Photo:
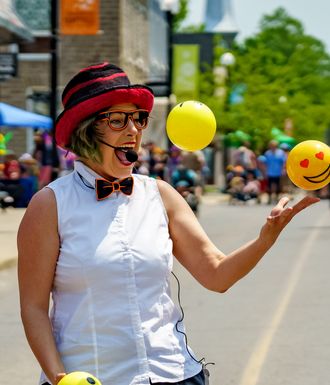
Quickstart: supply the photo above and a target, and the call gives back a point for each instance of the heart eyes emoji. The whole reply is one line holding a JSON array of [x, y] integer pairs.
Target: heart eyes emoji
[[308, 165]]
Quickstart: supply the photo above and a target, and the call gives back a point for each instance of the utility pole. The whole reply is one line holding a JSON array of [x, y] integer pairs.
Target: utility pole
[[53, 83]]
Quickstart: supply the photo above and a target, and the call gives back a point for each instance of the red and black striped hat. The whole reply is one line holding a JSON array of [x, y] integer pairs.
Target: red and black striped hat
[[93, 90]]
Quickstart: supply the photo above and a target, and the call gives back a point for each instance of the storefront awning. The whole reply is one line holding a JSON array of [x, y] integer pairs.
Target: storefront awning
[[12, 28]]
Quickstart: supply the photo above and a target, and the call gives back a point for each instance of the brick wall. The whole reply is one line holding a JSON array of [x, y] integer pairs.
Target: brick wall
[[76, 52]]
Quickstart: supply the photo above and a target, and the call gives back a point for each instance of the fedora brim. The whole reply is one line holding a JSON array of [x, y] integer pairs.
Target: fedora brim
[[70, 118]]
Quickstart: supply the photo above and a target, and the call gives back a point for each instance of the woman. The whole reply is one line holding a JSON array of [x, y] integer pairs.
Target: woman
[[101, 241]]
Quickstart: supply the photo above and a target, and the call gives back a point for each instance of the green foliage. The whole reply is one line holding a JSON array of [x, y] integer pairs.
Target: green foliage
[[280, 63], [179, 17], [4, 139], [192, 28]]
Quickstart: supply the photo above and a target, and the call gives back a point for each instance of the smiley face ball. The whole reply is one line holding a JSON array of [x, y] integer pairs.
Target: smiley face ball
[[191, 125], [308, 165], [79, 378]]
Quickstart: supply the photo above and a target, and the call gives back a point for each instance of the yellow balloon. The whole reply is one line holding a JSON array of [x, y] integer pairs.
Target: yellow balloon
[[79, 378], [308, 165], [191, 125]]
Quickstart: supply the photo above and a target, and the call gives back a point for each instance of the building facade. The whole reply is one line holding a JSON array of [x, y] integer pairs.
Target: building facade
[[126, 37]]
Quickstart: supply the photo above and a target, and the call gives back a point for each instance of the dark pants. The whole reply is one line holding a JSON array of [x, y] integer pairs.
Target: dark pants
[[196, 380], [274, 184]]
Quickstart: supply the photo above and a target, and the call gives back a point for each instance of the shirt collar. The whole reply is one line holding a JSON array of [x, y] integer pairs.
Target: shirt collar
[[87, 173]]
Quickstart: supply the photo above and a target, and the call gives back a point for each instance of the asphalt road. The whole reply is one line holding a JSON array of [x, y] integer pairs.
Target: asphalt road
[[271, 328]]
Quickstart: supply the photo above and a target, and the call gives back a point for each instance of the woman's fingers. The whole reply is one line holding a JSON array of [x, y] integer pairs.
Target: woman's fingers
[[283, 201], [280, 214], [283, 214], [279, 208], [303, 203]]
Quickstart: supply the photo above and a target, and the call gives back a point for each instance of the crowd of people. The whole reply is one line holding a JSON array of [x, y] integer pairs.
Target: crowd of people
[[22, 176], [251, 175]]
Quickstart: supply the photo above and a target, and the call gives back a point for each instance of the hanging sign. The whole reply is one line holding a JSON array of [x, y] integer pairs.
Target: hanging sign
[[8, 65], [185, 80], [79, 17]]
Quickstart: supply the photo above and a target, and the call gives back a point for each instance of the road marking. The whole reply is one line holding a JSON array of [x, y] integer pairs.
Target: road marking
[[253, 368]]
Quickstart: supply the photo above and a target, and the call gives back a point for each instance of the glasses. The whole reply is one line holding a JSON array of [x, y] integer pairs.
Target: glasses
[[118, 120]]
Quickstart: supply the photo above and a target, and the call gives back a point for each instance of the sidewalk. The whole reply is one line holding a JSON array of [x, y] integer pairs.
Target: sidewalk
[[9, 222], [214, 198]]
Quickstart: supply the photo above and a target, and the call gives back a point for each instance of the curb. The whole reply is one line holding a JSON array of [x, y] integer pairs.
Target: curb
[[7, 263], [214, 199]]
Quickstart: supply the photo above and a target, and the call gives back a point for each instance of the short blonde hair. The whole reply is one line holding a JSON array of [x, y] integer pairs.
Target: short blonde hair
[[85, 140]]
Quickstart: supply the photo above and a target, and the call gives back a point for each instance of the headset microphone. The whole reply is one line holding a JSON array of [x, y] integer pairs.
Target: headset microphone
[[130, 154]]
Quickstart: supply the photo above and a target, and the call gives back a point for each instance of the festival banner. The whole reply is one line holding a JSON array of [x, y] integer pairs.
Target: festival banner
[[79, 17], [185, 78]]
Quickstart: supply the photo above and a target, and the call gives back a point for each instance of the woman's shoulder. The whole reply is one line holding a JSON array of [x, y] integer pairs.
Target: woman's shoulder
[[42, 206]]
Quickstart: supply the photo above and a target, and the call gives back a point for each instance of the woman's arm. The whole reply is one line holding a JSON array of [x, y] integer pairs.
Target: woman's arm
[[194, 250], [38, 249]]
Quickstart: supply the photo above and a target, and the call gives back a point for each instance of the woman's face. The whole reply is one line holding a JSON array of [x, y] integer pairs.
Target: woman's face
[[114, 162]]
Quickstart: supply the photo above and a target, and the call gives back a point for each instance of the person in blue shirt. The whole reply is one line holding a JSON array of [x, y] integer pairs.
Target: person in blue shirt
[[274, 159]]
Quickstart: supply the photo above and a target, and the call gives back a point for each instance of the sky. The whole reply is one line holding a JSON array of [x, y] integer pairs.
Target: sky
[[314, 15]]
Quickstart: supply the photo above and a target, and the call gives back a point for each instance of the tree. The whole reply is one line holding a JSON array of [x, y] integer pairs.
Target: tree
[[179, 17], [280, 63]]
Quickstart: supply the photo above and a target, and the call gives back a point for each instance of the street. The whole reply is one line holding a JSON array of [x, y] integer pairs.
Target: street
[[271, 328]]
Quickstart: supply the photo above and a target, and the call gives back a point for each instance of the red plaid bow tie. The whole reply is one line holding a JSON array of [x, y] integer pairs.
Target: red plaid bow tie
[[104, 188]]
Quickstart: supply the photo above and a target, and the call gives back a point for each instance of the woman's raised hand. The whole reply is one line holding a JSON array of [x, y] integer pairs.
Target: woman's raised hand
[[282, 214]]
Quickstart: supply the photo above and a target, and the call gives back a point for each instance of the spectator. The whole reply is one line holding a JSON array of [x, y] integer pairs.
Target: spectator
[[173, 161], [236, 184], [251, 189], [245, 157], [275, 163], [286, 184], [29, 178], [10, 181]]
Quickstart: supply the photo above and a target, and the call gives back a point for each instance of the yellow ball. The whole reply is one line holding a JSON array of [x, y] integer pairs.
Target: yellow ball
[[79, 378], [191, 125], [308, 165]]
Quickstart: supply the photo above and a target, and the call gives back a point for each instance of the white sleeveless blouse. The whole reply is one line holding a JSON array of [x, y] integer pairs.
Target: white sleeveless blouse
[[112, 313]]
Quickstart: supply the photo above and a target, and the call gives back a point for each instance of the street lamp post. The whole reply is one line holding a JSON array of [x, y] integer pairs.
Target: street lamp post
[[227, 60]]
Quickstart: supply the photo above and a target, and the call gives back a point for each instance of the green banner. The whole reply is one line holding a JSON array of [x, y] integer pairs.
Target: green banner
[[185, 80]]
